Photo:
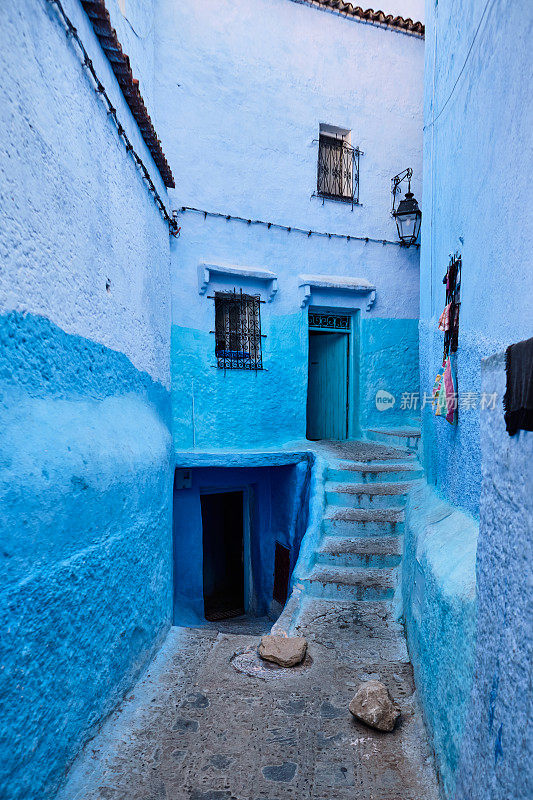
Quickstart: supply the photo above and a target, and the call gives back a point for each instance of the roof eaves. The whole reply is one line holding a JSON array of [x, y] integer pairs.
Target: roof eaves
[[407, 25], [120, 64]]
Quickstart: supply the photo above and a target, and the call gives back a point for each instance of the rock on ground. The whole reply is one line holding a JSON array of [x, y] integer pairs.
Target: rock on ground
[[287, 651], [193, 728], [373, 705]]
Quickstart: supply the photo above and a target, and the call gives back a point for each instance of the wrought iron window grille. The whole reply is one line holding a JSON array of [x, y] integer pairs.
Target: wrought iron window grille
[[238, 331], [338, 170], [329, 322]]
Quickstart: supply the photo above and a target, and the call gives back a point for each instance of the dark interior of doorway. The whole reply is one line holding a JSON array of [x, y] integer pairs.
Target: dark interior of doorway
[[223, 554], [282, 569]]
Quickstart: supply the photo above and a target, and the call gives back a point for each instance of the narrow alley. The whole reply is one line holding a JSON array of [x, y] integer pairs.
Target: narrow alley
[[196, 728], [211, 721], [266, 400]]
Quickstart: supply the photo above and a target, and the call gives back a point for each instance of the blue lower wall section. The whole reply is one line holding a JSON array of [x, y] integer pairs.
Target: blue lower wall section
[[277, 487], [85, 513], [389, 361], [241, 409], [439, 606], [497, 755]]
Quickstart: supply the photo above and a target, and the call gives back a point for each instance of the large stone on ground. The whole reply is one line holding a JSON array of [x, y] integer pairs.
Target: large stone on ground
[[287, 651], [373, 705]]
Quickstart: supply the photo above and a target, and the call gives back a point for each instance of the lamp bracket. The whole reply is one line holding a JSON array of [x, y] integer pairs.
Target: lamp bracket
[[398, 179]]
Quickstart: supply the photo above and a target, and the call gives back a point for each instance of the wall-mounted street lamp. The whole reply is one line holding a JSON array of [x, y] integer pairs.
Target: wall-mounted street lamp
[[408, 216]]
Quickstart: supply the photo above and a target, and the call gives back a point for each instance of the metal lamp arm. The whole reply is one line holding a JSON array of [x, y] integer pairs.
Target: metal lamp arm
[[407, 174]]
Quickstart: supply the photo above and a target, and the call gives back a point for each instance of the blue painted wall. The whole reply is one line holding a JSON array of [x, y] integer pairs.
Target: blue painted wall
[[439, 606], [277, 512], [476, 165], [252, 83], [389, 361], [476, 158], [85, 444], [497, 754]]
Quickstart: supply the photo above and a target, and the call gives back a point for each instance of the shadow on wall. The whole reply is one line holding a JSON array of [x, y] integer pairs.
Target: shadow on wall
[[85, 513]]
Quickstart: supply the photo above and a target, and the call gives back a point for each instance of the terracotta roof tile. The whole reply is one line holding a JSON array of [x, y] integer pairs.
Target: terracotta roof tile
[[369, 15], [120, 64]]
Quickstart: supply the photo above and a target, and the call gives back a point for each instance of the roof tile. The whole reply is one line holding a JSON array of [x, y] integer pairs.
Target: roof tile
[[377, 17], [120, 64]]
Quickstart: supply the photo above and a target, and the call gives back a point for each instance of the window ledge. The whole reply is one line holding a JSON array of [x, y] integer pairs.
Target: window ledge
[[336, 283], [337, 199], [207, 271]]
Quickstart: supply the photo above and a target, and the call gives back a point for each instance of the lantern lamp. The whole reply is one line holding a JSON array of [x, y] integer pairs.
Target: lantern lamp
[[408, 215]]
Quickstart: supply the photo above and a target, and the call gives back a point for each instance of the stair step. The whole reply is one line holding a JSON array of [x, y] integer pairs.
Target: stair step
[[367, 495], [343, 521], [347, 471], [347, 583], [396, 437], [364, 552]]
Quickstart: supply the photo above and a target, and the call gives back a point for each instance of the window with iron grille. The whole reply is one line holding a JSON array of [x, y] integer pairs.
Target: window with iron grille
[[238, 331], [338, 169]]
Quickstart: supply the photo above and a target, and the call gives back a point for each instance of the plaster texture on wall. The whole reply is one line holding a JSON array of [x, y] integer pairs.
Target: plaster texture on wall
[[242, 409], [477, 155], [256, 80], [85, 488], [277, 502], [239, 409], [439, 606], [75, 211], [254, 83], [389, 361], [85, 445], [497, 754]]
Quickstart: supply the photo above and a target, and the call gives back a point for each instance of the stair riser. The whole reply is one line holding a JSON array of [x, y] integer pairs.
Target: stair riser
[[352, 476], [342, 527], [366, 500], [338, 591], [370, 560], [409, 442]]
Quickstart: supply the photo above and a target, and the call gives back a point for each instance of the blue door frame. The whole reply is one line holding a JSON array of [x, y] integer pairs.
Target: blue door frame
[[327, 388]]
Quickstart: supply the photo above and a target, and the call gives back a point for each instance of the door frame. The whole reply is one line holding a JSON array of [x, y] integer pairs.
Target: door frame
[[353, 428], [247, 505]]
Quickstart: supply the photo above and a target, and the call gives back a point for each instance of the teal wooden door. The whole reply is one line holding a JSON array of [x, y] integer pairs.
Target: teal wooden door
[[327, 388]]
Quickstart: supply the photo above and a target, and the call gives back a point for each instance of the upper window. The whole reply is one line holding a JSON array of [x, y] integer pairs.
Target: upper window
[[238, 331], [338, 165]]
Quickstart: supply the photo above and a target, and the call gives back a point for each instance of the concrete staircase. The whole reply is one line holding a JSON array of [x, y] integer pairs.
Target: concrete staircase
[[395, 437], [360, 550]]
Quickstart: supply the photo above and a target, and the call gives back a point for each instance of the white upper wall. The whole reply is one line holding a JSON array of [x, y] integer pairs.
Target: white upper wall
[[82, 241], [243, 87]]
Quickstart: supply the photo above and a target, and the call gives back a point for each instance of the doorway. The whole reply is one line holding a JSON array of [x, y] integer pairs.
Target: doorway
[[223, 554], [327, 386]]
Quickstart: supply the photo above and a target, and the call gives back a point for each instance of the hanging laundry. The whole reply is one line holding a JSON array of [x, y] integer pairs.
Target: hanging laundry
[[444, 392], [449, 319], [440, 399], [518, 398], [444, 319], [450, 390]]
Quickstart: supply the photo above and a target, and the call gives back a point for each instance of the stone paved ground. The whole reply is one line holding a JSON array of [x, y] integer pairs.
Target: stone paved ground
[[195, 728]]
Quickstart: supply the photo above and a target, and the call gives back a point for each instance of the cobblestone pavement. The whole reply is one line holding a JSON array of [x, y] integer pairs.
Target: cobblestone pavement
[[195, 728]]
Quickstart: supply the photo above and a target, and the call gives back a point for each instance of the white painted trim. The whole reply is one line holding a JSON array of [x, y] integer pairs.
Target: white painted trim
[[206, 272], [335, 283]]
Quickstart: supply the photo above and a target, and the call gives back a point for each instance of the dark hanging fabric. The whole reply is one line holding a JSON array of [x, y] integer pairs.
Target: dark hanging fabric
[[452, 280], [518, 399]]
